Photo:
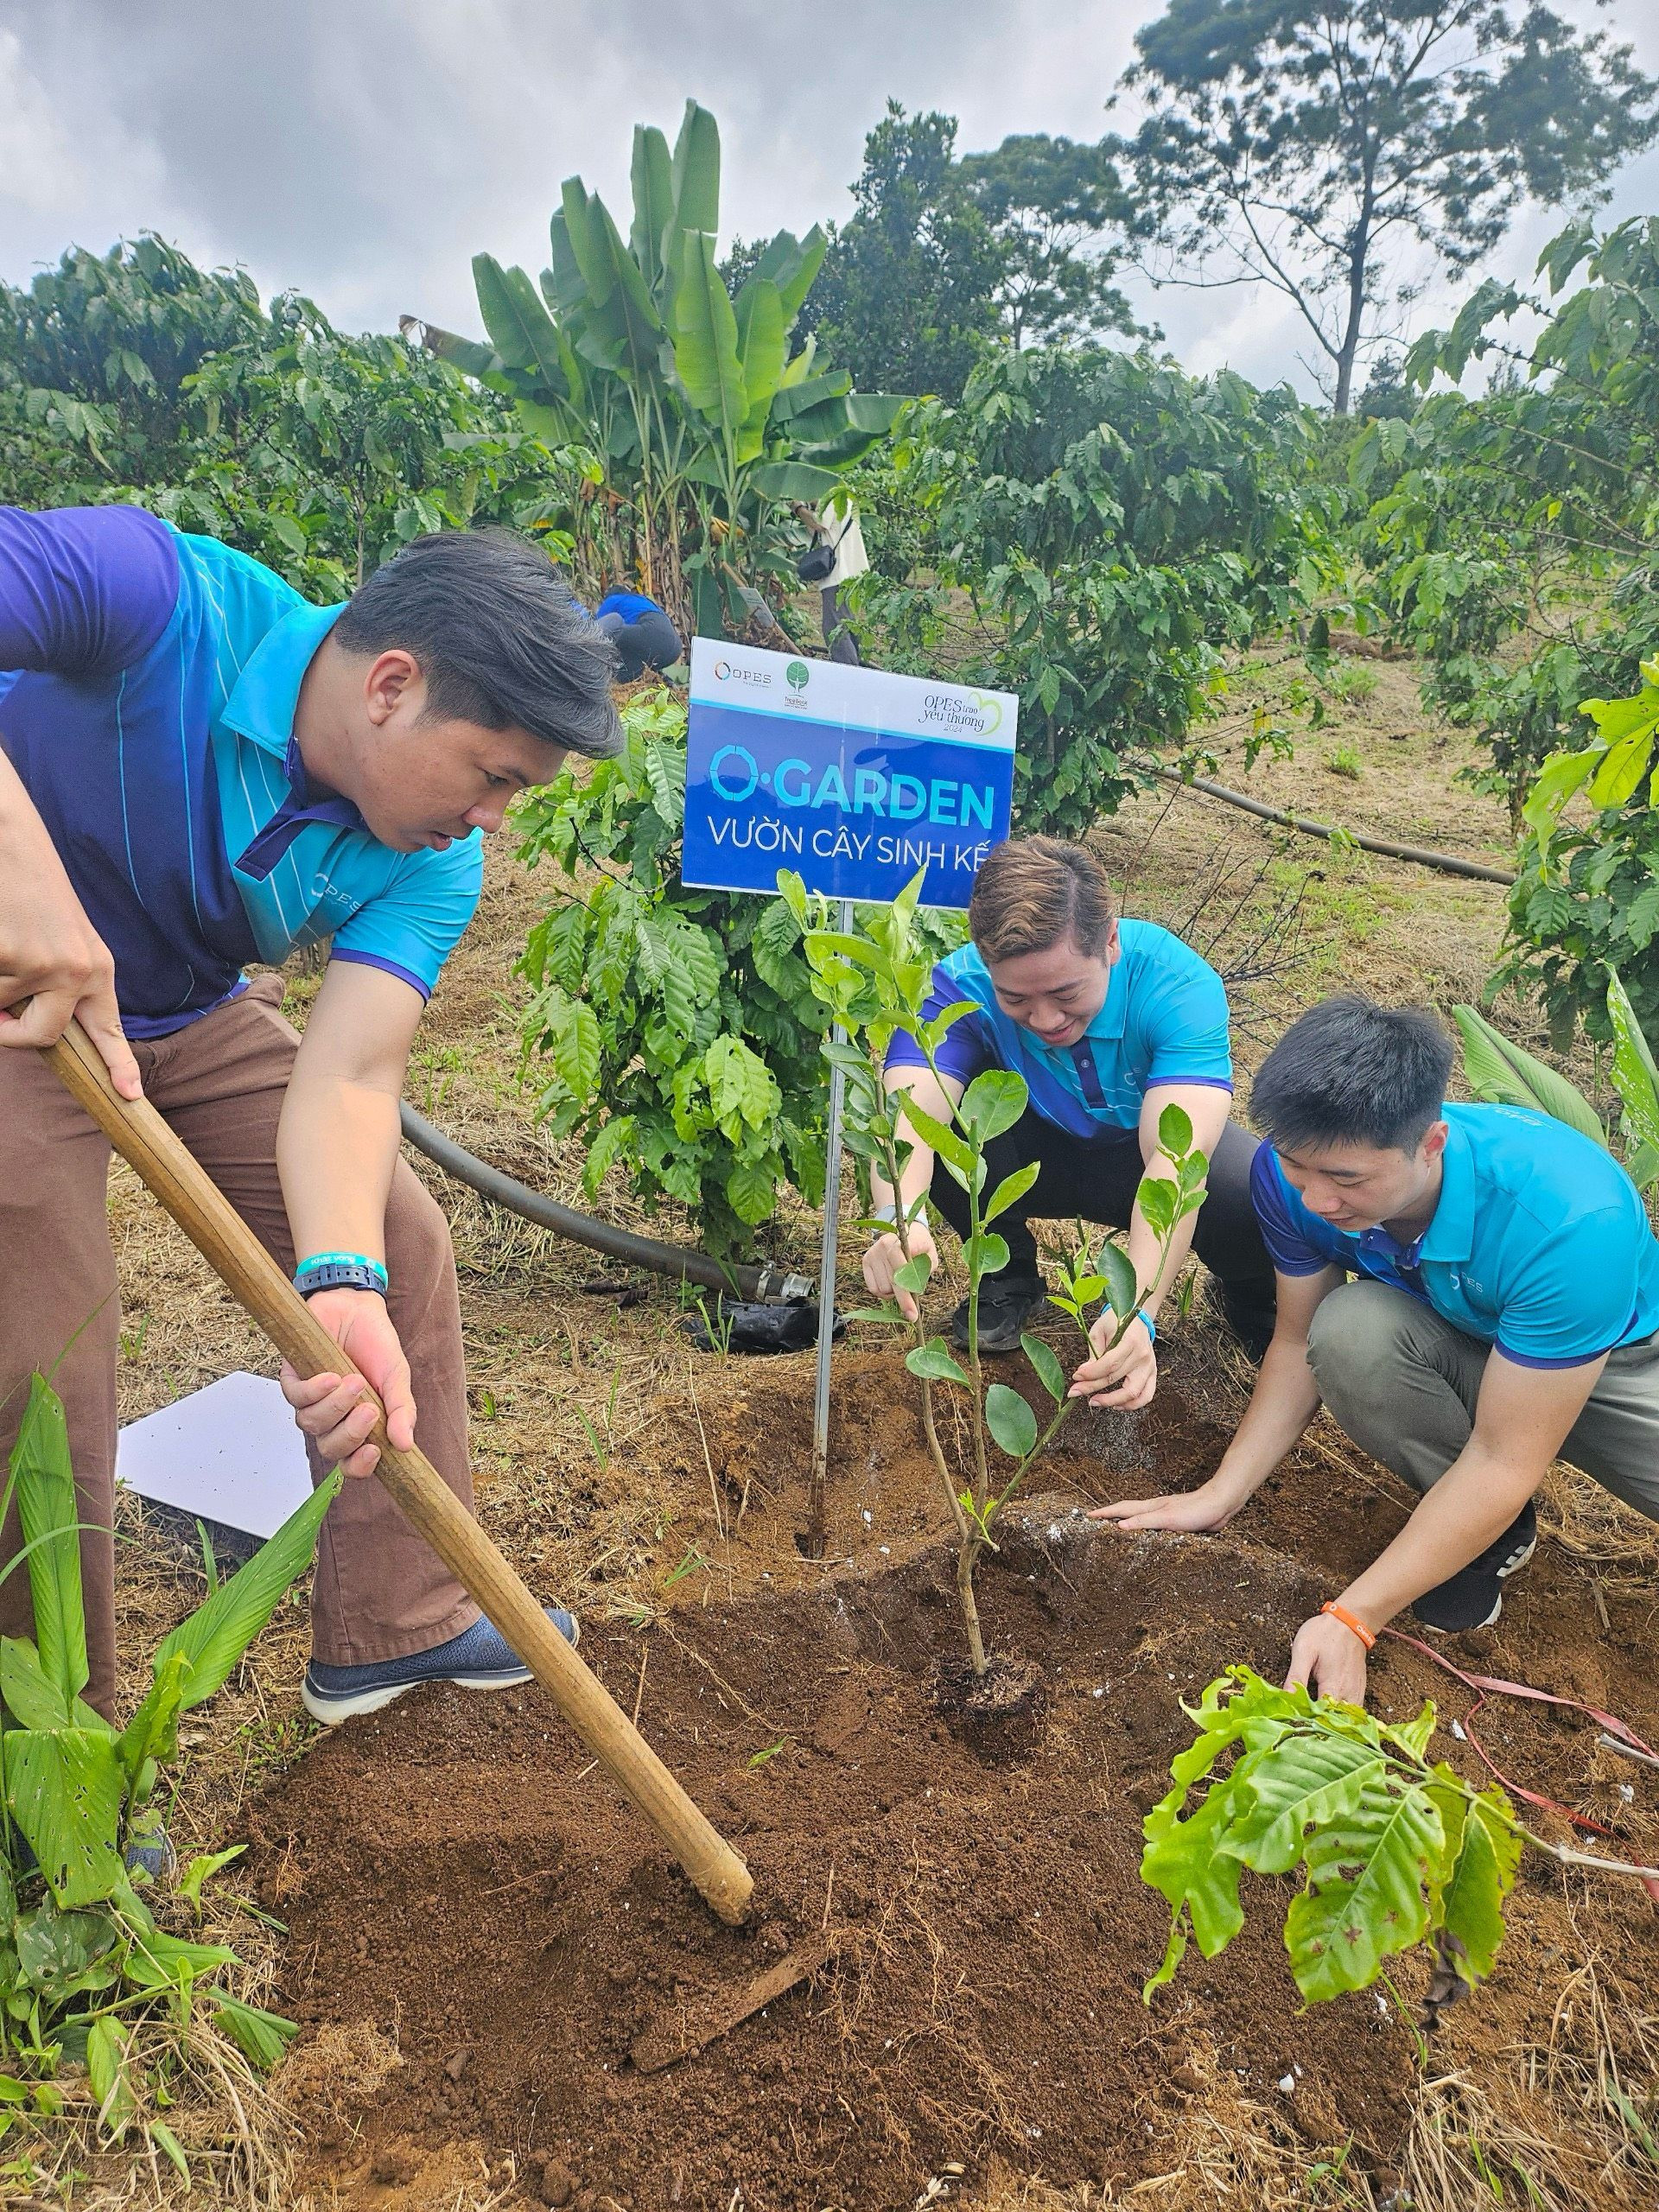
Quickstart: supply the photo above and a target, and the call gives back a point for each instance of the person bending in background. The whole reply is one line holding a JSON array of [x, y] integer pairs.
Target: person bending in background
[[199, 770], [1109, 1021], [1471, 1291], [639, 633]]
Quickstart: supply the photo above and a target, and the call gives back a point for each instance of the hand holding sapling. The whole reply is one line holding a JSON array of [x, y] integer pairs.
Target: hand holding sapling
[[876, 983]]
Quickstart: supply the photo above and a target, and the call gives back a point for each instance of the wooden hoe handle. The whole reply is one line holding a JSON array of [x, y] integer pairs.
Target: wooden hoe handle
[[218, 1232]]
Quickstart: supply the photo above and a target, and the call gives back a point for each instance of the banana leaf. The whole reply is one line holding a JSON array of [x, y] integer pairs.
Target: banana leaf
[[705, 340], [695, 178], [1636, 1078], [793, 480], [760, 317], [519, 325], [1500, 1073], [562, 285], [653, 203]]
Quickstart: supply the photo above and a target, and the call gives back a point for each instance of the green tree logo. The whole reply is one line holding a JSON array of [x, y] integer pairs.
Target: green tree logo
[[796, 675]]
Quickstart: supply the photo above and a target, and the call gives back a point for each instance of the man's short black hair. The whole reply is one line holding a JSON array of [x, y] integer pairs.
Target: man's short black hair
[[1353, 1072], [501, 638]]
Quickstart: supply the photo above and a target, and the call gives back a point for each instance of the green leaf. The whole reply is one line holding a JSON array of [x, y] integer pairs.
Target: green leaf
[[793, 480], [262, 2037], [202, 1868], [220, 1629], [1174, 1131], [759, 316], [1483, 1874], [742, 1088], [32, 1701], [1159, 1198], [1502, 1075], [1560, 777], [705, 340], [653, 201], [993, 1102], [1636, 1078], [60, 1954], [940, 1136], [65, 1789], [1122, 1290], [695, 172], [106, 2069], [168, 2144], [1367, 1869], [1010, 1190], [1011, 1422], [752, 1190], [520, 328], [1050, 1373], [915, 1274], [985, 1255], [44, 1489], [933, 1363]]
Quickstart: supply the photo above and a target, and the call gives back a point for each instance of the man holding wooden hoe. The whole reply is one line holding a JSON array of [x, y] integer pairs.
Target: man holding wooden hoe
[[200, 770], [1109, 1021], [1503, 1311]]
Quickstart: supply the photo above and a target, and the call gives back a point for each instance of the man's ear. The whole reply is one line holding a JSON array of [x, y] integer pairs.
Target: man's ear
[[394, 680], [1433, 1142]]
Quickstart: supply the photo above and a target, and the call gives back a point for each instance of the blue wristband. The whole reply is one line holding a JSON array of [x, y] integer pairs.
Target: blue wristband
[[1151, 1326]]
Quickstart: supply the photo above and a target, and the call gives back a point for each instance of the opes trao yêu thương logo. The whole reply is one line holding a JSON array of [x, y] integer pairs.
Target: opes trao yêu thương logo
[[752, 679]]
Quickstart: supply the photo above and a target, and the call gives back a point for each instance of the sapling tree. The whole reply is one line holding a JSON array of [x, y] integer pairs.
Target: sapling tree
[[876, 979], [1394, 1849]]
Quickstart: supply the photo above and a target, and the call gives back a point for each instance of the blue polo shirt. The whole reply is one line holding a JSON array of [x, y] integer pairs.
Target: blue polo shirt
[[1163, 1020], [148, 687], [1539, 1244]]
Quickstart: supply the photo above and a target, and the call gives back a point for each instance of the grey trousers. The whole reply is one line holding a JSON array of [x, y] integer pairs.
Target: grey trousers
[[1403, 1383]]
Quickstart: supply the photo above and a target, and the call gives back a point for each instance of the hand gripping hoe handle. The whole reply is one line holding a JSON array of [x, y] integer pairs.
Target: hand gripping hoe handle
[[218, 1232]]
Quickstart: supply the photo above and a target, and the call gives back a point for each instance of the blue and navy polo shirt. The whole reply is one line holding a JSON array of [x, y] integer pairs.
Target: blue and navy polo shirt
[[1164, 1020], [1540, 1245], [148, 687]]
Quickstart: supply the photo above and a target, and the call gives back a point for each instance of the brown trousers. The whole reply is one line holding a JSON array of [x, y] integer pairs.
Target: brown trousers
[[379, 1591]]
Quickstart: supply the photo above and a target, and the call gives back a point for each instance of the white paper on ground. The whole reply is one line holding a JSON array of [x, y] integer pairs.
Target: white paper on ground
[[230, 1453]]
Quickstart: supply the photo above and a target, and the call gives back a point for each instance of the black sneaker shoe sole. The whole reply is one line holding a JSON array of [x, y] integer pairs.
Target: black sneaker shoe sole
[[997, 1334]]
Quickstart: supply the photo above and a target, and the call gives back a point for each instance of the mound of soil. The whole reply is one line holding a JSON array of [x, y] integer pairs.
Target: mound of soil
[[948, 1908], [449, 1875]]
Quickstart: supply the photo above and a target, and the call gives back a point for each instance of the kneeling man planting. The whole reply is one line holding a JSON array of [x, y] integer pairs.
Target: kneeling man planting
[[1473, 1291]]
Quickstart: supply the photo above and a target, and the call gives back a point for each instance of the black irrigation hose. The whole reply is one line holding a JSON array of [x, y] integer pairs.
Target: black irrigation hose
[[764, 1286], [1447, 863]]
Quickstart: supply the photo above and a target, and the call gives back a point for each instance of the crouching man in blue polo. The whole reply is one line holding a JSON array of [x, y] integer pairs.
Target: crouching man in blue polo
[[1473, 1291]]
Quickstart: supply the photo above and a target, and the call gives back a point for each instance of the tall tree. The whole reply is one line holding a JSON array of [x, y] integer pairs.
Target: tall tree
[[1050, 204], [908, 288], [1308, 144]]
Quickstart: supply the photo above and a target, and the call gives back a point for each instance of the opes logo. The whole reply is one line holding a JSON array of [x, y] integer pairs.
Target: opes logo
[[756, 679], [968, 714]]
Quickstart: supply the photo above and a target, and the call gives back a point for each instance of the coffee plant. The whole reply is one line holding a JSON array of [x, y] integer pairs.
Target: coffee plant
[[675, 1031]]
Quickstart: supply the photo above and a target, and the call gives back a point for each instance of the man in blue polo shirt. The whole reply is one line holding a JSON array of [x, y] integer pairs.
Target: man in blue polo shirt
[[199, 771], [1109, 1022], [1473, 1291]]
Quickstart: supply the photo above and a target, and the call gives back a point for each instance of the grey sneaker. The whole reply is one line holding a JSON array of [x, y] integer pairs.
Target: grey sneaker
[[480, 1658]]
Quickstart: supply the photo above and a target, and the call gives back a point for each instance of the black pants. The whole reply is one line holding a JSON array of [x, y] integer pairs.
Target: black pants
[[1095, 1178]]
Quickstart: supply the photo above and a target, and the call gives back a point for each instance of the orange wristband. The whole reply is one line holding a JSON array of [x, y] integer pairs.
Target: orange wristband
[[1350, 1620]]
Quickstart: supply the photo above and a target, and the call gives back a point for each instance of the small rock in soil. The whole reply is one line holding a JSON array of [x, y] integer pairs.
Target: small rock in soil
[[456, 2064], [558, 2183], [393, 2166]]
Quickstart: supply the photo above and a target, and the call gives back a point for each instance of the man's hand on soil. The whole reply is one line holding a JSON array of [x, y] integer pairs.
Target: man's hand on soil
[[887, 1256], [333, 1409], [1194, 1511], [1122, 1378], [1330, 1659]]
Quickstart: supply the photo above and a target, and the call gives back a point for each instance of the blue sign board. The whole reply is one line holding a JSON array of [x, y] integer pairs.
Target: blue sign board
[[853, 777]]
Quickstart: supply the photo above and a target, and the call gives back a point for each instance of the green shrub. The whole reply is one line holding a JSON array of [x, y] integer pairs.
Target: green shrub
[[1089, 529], [675, 1031], [88, 1978]]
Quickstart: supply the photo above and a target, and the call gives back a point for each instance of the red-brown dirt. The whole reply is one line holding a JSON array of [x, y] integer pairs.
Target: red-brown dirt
[[455, 1876]]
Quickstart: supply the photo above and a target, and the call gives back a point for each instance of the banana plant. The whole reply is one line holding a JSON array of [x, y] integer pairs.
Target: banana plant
[[876, 979], [1501, 1074], [705, 422], [83, 1963]]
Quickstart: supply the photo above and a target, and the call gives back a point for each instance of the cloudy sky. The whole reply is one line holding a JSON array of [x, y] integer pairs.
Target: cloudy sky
[[362, 151]]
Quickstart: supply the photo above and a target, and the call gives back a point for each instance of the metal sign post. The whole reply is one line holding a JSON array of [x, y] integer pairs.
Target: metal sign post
[[857, 780], [816, 1537]]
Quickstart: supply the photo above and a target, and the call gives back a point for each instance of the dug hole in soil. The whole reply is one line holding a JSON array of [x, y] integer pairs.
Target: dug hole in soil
[[461, 1887]]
